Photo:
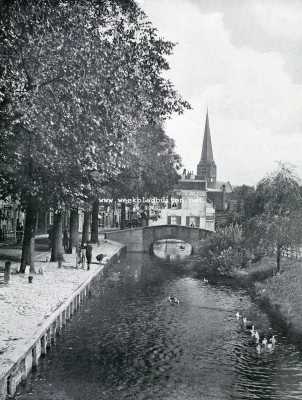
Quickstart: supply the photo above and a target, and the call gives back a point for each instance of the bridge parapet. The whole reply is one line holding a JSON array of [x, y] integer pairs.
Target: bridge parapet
[[141, 239]]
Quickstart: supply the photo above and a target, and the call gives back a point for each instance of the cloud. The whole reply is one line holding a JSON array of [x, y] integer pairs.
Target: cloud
[[253, 101], [273, 25]]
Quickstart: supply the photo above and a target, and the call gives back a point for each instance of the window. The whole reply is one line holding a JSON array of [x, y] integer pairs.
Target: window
[[193, 222], [174, 220]]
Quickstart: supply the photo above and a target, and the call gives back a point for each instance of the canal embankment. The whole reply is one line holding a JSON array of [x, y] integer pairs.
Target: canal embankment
[[279, 294], [33, 314]]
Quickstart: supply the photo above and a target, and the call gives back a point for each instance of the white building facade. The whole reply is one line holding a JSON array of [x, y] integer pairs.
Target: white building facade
[[189, 207]]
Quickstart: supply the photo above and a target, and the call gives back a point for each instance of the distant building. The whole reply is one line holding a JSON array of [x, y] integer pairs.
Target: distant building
[[206, 168], [188, 206], [203, 201]]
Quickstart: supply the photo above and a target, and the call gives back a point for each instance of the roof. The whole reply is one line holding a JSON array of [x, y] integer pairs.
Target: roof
[[219, 187], [191, 184]]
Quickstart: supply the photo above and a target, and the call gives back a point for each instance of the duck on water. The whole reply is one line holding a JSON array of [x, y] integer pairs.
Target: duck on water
[[173, 300]]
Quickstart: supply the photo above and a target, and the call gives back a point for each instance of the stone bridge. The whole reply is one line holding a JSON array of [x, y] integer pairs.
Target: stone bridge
[[142, 239]]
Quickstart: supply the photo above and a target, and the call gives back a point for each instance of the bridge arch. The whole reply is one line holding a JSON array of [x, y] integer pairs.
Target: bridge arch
[[171, 248], [141, 239]]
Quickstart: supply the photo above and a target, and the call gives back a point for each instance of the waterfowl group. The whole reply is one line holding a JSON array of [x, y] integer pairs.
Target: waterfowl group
[[173, 300], [265, 345]]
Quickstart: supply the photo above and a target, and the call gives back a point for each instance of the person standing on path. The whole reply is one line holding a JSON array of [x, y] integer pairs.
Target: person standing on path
[[65, 240], [88, 255], [19, 232]]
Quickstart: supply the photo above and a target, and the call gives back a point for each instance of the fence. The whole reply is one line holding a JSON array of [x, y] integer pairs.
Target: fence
[[292, 253], [5, 273], [11, 236]]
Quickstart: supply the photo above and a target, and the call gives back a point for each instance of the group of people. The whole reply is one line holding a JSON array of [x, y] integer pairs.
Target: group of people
[[83, 252]]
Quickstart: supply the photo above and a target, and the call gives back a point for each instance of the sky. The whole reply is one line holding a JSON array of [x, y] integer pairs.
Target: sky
[[242, 59]]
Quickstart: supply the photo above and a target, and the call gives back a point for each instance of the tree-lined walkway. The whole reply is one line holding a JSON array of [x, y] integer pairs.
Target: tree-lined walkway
[[24, 307]]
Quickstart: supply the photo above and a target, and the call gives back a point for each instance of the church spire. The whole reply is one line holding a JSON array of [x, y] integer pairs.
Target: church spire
[[206, 168], [207, 152]]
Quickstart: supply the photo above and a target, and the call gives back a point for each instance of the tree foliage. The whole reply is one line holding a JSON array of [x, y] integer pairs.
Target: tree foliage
[[223, 251], [151, 165], [277, 227], [77, 81]]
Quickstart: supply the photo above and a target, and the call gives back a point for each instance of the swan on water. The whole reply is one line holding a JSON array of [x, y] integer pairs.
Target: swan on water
[[264, 342], [205, 280], [238, 316], [273, 340], [257, 336], [269, 347], [247, 324], [258, 348]]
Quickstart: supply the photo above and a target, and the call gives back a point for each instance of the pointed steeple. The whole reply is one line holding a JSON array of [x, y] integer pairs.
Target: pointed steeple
[[206, 168], [207, 152]]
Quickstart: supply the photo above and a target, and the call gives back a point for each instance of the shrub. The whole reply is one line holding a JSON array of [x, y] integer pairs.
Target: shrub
[[223, 251]]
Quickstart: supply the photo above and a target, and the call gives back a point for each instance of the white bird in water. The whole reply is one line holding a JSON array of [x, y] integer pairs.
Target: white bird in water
[[264, 342], [238, 316], [246, 323], [269, 347], [273, 340]]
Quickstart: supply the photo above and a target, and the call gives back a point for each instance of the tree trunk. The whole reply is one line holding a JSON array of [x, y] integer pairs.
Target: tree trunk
[[123, 215], [73, 229], [85, 230], [113, 222], [278, 258], [57, 237], [95, 222], [28, 246]]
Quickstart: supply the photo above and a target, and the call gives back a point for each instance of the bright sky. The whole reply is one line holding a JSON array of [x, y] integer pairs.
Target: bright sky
[[242, 59]]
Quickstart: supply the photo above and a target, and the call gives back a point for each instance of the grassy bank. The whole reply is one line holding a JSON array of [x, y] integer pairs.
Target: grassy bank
[[281, 295]]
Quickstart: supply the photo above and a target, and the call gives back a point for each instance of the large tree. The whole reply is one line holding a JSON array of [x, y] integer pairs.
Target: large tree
[[277, 227], [77, 81], [151, 165]]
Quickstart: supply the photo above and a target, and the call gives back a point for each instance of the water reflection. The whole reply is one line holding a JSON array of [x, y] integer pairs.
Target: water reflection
[[129, 342], [172, 249]]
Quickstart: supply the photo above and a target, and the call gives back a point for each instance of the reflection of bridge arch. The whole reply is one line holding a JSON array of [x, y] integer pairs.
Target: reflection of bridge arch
[[141, 239], [171, 248]]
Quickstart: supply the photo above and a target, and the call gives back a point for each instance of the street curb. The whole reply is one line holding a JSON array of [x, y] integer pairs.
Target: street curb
[[21, 364]]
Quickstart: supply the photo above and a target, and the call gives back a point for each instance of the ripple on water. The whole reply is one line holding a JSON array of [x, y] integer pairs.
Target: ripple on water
[[131, 343]]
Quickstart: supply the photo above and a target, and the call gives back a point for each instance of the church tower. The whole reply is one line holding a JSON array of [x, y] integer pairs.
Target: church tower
[[206, 168]]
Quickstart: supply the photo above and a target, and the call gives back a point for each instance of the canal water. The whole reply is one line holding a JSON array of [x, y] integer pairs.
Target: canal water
[[129, 342]]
